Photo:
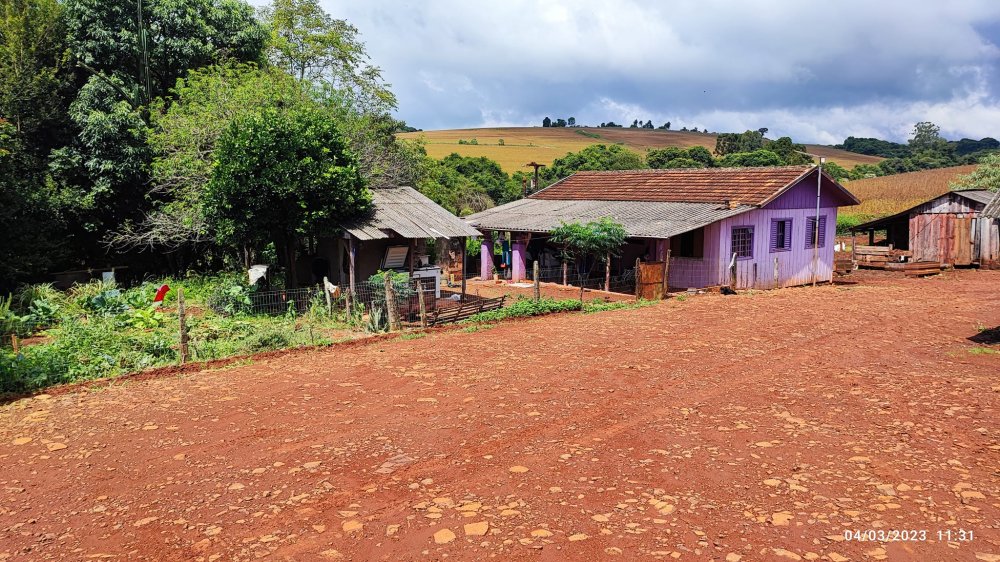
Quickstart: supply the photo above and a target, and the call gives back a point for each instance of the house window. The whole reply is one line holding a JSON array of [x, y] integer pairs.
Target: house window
[[811, 231], [781, 235], [742, 242], [688, 245]]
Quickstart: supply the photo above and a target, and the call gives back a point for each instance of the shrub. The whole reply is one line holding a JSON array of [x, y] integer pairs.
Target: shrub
[[523, 308]]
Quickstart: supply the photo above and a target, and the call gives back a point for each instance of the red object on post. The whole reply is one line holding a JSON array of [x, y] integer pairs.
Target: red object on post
[[160, 293]]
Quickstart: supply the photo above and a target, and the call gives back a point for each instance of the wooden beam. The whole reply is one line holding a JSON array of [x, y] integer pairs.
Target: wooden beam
[[465, 250]]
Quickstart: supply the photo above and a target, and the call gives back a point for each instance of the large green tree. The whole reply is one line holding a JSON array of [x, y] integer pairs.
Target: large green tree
[[487, 174], [131, 61], [30, 223], [281, 176], [985, 176], [729, 143], [594, 157], [35, 77], [184, 132], [756, 158], [314, 47]]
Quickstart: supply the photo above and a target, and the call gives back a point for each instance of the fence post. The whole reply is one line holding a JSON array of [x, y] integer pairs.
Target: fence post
[[420, 299], [666, 273], [607, 272], [565, 273], [638, 278], [181, 317], [732, 273], [538, 288], [14, 343], [777, 275], [390, 303], [326, 292]]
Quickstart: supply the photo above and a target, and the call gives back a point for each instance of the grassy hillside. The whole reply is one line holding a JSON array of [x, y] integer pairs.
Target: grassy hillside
[[891, 194], [545, 144]]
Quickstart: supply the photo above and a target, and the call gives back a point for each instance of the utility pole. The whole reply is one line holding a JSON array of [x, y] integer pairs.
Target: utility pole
[[819, 185]]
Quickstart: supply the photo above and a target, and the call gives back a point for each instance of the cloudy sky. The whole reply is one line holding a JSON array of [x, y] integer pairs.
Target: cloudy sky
[[817, 71]]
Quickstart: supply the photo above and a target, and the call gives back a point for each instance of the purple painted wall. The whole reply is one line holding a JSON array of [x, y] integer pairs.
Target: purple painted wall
[[486, 257], [794, 266], [518, 254]]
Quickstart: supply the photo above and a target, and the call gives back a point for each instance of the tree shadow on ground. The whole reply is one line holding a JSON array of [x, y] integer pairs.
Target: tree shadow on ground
[[987, 337]]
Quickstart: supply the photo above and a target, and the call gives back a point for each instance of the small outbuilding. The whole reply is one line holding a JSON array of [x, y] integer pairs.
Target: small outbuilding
[[951, 229], [394, 236], [747, 227]]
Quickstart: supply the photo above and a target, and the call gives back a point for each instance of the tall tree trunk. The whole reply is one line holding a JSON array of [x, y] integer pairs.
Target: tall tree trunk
[[291, 258]]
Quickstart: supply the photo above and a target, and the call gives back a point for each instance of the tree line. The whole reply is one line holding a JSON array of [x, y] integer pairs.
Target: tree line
[[636, 124], [926, 149], [185, 134]]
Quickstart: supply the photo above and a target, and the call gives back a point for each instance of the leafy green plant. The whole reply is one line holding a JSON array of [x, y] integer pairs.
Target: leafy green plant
[[597, 306], [232, 299], [523, 308], [42, 313], [10, 321], [145, 318], [377, 321]]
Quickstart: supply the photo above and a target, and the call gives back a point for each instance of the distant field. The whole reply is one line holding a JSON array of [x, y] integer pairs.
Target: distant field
[[891, 194], [545, 144]]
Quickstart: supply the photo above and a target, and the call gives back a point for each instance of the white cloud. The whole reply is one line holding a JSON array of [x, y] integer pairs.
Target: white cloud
[[817, 70]]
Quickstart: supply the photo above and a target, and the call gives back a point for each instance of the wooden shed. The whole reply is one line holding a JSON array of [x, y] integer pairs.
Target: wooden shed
[[949, 229]]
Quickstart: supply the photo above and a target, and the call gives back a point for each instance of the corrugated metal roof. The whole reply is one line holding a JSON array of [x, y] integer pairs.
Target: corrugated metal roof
[[992, 210], [406, 212], [978, 195], [640, 218]]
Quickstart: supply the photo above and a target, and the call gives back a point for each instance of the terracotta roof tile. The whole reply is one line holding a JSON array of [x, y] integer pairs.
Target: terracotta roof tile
[[748, 186]]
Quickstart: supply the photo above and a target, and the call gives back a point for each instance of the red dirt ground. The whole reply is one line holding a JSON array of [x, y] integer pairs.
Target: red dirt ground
[[760, 426]]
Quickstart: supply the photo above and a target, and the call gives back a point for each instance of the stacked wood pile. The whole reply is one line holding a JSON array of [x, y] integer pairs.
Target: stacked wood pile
[[880, 257], [843, 267], [921, 268]]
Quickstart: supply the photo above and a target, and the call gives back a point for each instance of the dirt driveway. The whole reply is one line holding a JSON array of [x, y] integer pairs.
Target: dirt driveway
[[755, 427]]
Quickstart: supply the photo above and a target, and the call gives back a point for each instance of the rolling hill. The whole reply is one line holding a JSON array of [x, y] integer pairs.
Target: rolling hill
[[544, 144]]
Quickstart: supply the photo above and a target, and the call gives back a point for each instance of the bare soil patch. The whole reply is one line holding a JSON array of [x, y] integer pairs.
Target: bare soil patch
[[755, 427]]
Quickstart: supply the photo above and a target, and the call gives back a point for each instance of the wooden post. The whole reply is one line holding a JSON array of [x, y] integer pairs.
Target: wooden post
[[777, 275], [666, 273], [326, 293], [351, 252], [413, 254], [420, 299], [181, 317], [15, 344], [607, 272], [854, 246], [638, 278], [390, 303], [732, 273], [565, 273], [871, 237], [538, 287], [465, 249]]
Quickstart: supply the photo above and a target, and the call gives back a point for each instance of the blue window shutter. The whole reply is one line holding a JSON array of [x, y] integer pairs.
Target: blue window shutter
[[774, 235], [788, 234], [822, 231]]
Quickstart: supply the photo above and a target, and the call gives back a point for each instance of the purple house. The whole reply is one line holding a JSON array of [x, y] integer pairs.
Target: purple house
[[762, 220]]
